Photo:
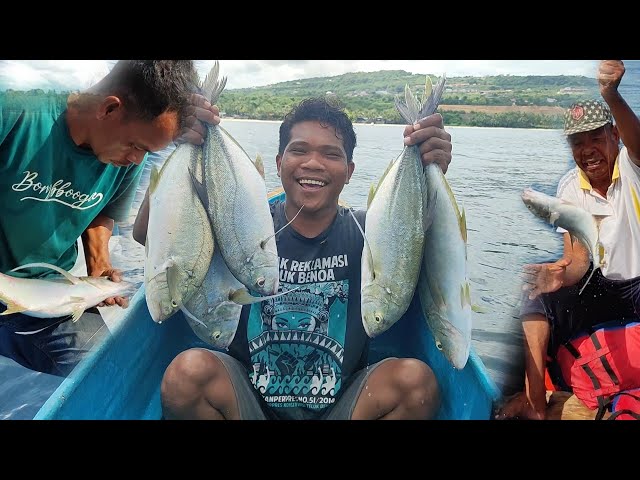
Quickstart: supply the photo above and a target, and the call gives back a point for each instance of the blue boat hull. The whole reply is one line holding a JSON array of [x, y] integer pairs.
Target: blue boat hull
[[121, 378]]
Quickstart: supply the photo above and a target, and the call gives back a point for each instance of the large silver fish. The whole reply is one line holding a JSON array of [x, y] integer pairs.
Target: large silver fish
[[395, 230], [180, 241], [443, 286], [237, 205], [580, 224], [57, 297]]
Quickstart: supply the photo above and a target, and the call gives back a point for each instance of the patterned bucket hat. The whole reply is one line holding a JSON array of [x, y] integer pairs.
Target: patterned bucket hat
[[586, 116]]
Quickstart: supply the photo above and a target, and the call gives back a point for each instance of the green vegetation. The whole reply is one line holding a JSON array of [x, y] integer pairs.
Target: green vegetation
[[368, 98]]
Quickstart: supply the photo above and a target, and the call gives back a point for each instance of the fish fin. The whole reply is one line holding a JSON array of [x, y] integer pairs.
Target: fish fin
[[462, 220], [242, 296], [72, 278], [78, 309], [428, 87], [372, 193], [436, 295], [12, 307], [478, 308], [212, 87], [190, 315], [366, 242], [201, 192], [259, 165], [154, 178], [430, 104], [413, 109]]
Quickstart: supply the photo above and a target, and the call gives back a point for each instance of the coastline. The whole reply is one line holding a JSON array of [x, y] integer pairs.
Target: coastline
[[393, 125]]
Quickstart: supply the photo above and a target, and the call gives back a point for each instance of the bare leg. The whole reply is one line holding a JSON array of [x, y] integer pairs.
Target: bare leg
[[399, 389], [196, 386]]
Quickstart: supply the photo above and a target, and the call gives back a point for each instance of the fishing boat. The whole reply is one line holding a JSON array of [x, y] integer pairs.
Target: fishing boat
[[120, 379]]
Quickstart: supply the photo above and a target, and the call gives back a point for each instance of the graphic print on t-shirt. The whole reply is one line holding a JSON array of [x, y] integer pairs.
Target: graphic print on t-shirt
[[296, 344]]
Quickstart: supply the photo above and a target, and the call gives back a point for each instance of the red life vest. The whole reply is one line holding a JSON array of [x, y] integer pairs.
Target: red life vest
[[601, 365]]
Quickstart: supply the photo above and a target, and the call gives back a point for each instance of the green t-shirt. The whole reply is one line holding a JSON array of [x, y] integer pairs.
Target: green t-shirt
[[51, 190]]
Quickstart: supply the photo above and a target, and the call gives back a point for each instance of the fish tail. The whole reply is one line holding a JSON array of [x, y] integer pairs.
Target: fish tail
[[212, 87], [413, 109]]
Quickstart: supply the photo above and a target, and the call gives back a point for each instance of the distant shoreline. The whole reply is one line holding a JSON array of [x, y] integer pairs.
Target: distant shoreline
[[487, 109]]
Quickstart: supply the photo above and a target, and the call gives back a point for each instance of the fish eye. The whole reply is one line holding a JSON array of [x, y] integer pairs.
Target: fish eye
[[174, 304], [378, 318], [261, 281], [439, 345], [216, 335]]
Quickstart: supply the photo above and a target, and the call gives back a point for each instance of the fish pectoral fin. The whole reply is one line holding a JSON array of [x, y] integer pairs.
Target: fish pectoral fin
[[478, 308], [437, 296], [201, 192], [154, 178], [72, 278], [12, 307], [190, 315], [79, 306], [259, 163]]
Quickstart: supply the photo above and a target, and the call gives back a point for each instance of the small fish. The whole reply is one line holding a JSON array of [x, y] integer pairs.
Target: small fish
[[580, 224], [213, 312], [57, 297]]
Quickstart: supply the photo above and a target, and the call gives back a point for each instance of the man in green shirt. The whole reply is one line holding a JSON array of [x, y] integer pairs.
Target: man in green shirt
[[69, 168]]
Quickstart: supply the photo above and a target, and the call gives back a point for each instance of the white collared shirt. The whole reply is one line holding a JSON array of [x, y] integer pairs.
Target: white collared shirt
[[620, 229]]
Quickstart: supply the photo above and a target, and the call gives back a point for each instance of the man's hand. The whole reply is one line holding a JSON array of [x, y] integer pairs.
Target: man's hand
[[115, 275], [610, 74], [433, 141], [545, 277], [199, 113]]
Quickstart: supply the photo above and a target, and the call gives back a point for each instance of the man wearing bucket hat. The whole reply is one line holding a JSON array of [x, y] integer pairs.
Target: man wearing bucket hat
[[570, 329]]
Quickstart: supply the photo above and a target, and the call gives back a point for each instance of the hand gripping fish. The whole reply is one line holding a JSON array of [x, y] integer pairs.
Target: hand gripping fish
[[235, 197], [396, 224], [57, 297], [580, 224]]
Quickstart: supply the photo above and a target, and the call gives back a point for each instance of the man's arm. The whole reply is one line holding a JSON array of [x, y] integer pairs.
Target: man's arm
[[609, 76], [95, 240], [579, 261]]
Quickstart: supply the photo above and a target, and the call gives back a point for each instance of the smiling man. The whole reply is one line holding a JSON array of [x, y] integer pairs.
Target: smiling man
[[560, 322], [304, 355], [69, 168]]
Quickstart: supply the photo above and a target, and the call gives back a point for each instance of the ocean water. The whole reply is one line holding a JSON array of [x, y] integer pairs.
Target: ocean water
[[490, 168]]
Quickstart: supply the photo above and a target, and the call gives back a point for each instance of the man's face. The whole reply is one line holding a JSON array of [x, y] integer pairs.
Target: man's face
[[121, 142], [314, 167], [595, 152]]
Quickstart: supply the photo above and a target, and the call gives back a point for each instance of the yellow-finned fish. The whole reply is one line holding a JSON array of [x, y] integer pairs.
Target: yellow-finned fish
[[396, 225], [237, 205]]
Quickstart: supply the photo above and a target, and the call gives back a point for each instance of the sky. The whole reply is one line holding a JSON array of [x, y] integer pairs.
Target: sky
[[78, 74]]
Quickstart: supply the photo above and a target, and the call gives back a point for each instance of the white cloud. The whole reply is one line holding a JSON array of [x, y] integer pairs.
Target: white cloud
[[79, 74]]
